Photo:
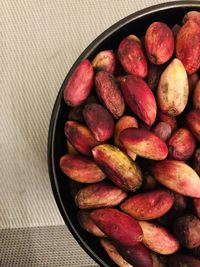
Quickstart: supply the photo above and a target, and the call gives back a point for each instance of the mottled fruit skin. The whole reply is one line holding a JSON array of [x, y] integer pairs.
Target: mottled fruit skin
[[70, 149], [108, 91], [196, 204], [179, 260], [104, 60], [112, 252], [139, 98], [177, 176], [159, 43], [79, 84], [132, 57], [149, 182], [187, 231], [173, 89], [124, 123], [81, 169], [144, 143], [99, 195], [196, 161], [193, 122], [158, 239], [80, 137], [162, 117], [196, 96], [149, 205], [88, 224], [137, 255], [158, 260], [121, 228], [192, 15], [123, 171], [181, 145], [154, 74], [99, 121], [188, 46], [163, 130]]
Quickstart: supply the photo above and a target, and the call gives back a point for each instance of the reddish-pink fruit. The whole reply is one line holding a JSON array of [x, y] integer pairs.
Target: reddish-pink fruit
[[124, 123], [196, 96], [108, 91], [99, 195], [104, 60], [80, 137], [87, 223], [112, 252], [188, 46], [139, 98], [177, 176], [175, 30], [158, 239], [179, 260], [143, 143], [149, 182], [120, 227], [163, 130], [172, 92], [81, 169], [168, 119], [187, 231], [123, 171], [192, 15], [70, 149], [132, 57], [193, 122], [159, 43], [196, 204], [196, 161], [192, 79], [79, 84], [149, 205], [137, 255], [99, 121], [154, 76], [181, 144]]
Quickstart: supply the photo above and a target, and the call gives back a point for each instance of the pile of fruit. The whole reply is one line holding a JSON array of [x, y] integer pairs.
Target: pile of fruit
[[133, 142]]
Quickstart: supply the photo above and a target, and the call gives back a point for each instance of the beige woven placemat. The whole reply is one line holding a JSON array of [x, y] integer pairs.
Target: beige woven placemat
[[39, 41]]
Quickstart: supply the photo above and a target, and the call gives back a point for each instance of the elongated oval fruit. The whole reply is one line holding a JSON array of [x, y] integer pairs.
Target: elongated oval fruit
[[112, 252], [159, 43], [79, 84], [99, 195], [188, 46], [178, 176], [196, 161], [143, 143], [109, 93], [162, 130], [149, 205], [187, 231], [162, 117], [158, 239], [120, 227], [193, 122], [104, 60], [99, 121], [196, 96], [196, 204], [123, 123], [154, 76], [88, 224], [192, 15], [173, 89], [181, 144], [132, 57], [123, 172], [179, 259], [139, 98], [80, 137], [81, 169], [137, 255]]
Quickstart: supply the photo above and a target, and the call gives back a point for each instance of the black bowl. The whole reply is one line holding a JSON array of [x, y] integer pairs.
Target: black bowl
[[137, 23]]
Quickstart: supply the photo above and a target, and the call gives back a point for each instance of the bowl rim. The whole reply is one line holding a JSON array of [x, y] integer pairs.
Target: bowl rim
[[55, 112]]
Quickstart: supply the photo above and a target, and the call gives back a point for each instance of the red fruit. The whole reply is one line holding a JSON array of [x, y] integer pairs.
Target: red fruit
[[193, 122], [79, 85], [159, 43], [162, 130], [139, 98], [154, 76], [168, 119], [192, 15], [132, 57], [104, 60]]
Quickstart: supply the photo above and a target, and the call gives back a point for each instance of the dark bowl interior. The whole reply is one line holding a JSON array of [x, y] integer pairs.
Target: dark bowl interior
[[137, 23]]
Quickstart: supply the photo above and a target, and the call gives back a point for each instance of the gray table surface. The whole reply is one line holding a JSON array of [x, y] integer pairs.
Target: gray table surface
[[39, 41]]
